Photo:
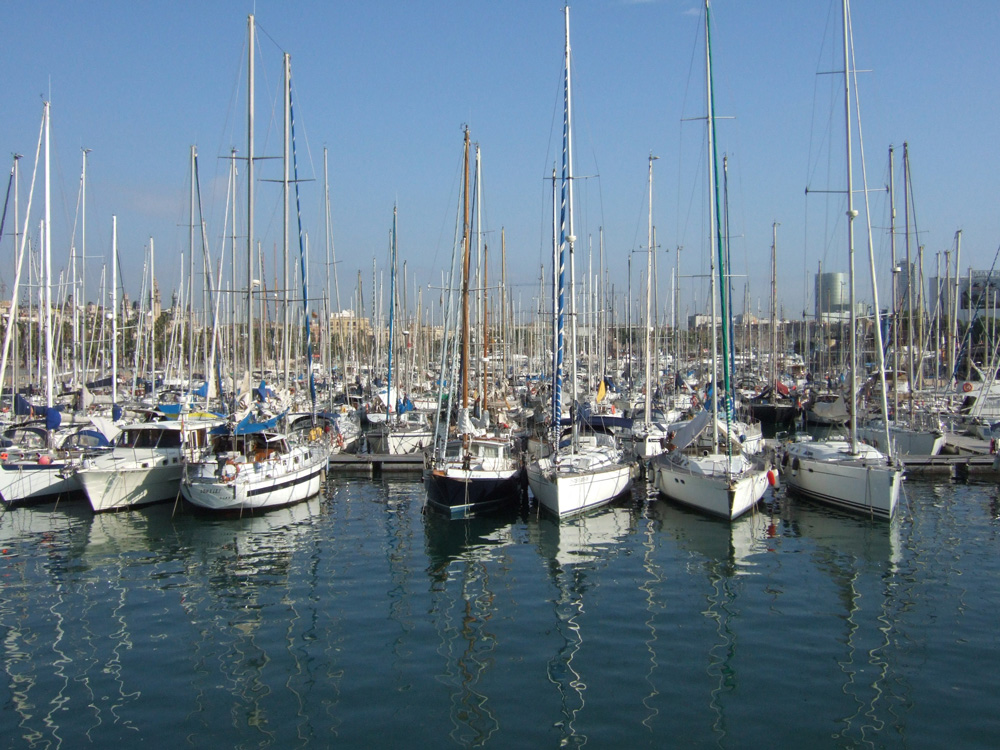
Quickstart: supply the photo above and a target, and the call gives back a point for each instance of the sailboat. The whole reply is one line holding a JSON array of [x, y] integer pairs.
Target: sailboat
[[844, 472], [591, 470], [723, 481], [248, 464], [648, 437], [478, 472], [912, 431], [34, 466], [403, 430]]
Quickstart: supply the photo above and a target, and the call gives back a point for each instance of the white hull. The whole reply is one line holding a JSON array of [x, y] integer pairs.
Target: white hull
[[274, 483], [131, 484], [578, 482], [703, 483], [828, 473], [25, 482]]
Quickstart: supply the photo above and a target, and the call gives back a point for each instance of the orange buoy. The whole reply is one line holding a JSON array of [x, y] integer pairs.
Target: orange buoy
[[772, 478]]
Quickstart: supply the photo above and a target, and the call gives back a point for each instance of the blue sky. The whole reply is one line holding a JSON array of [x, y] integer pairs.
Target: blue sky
[[387, 86]]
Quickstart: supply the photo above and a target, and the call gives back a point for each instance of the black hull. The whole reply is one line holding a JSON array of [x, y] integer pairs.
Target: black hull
[[774, 414], [460, 498]]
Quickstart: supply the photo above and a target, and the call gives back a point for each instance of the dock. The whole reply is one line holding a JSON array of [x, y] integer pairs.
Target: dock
[[376, 464]]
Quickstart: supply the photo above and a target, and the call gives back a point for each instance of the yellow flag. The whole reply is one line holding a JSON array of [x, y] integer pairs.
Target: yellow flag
[[600, 391]]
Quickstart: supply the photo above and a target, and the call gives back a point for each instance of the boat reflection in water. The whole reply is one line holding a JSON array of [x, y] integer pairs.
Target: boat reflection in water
[[463, 557], [721, 559], [571, 549], [244, 580], [87, 633], [860, 559]]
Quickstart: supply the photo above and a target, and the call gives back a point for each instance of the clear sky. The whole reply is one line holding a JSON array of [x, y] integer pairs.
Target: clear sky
[[387, 86]]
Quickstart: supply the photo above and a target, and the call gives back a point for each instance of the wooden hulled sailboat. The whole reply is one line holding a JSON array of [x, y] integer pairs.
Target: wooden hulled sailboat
[[478, 472]]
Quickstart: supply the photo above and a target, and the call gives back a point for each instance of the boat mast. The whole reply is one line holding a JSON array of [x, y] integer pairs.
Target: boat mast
[[713, 236], [114, 310], [893, 292], [570, 236], [285, 338], [466, 328], [773, 364], [648, 409], [250, 263], [47, 262], [852, 214], [190, 305]]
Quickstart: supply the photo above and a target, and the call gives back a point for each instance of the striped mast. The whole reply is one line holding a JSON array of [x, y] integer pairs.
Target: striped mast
[[565, 240]]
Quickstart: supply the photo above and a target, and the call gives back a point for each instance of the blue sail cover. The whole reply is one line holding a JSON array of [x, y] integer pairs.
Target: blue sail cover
[[52, 418], [22, 407], [248, 425]]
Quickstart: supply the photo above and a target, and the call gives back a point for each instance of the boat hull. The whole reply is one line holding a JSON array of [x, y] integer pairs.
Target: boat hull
[[465, 493], [24, 483], [258, 486], [860, 483], [563, 489], [709, 489], [112, 489]]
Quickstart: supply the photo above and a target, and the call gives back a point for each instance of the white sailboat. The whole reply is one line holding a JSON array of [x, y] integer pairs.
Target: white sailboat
[[846, 473], [37, 471], [722, 481], [250, 466], [591, 470], [400, 432]]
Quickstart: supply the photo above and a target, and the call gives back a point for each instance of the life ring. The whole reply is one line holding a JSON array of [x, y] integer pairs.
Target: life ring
[[340, 440], [694, 402], [966, 387], [230, 471]]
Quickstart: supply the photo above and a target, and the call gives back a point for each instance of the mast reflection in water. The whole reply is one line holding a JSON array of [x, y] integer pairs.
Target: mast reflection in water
[[357, 620]]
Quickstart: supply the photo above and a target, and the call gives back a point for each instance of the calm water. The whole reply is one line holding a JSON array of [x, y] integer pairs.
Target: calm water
[[355, 621]]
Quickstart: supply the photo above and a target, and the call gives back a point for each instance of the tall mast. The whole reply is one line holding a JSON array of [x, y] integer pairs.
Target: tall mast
[[852, 214], [893, 292], [773, 364], [569, 237], [250, 263], [47, 261], [285, 338], [83, 259], [466, 330], [713, 235], [190, 305], [114, 309], [647, 412], [486, 329]]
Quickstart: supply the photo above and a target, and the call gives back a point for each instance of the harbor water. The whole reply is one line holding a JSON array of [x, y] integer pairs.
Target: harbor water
[[354, 620]]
